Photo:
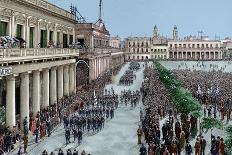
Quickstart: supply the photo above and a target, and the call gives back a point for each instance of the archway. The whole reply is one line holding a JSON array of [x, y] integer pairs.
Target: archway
[[82, 72]]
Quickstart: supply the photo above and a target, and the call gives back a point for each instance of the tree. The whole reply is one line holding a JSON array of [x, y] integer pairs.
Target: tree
[[229, 139]]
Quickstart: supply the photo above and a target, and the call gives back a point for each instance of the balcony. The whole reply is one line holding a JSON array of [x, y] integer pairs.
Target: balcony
[[30, 54]]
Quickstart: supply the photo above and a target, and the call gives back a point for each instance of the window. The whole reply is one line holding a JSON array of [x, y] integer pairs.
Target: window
[[51, 36], [164, 50], [146, 50], [170, 45], [193, 45], [19, 31], [198, 45], [43, 39], [31, 41], [179, 45], [65, 41], [3, 28], [71, 39], [142, 50]]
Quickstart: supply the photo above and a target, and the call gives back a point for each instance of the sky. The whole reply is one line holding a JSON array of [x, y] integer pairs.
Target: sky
[[138, 17]]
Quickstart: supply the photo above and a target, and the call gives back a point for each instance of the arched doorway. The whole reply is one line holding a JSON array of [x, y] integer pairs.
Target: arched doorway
[[82, 72]]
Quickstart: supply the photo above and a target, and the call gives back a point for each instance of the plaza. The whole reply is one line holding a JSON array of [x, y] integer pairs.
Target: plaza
[[69, 86]]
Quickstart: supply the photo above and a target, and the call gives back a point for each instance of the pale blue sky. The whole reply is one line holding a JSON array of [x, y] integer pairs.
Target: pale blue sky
[[138, 17]]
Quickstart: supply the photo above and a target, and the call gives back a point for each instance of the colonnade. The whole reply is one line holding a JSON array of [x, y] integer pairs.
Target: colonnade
[[196, 55], [52, 83], [98, 66]]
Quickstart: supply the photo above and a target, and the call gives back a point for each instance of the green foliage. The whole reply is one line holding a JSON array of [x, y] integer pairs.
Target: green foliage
[[210, 123], [229, 139], [181, 98]]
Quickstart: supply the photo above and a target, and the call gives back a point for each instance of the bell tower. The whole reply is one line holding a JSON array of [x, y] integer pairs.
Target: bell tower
[[155, 32], [175, 33]]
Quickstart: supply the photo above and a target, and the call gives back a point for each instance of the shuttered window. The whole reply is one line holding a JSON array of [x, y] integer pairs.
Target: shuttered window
[[19, 31], [3, 28], [31, 43]]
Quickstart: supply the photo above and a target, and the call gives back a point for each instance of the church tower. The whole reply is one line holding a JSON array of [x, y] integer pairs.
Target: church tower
[[175, 33], [155, 32]]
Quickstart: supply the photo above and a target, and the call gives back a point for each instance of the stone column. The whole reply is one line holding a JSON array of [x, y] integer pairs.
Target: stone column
[[48, 36], [68, 39], [27, 33], [10, 101], [13, 26], [91, 70], [55, 36], [36, 92], [214, 55], [60, 82], [45, 92], [38, 34], [74, 39], [10, 27], [99, 66], [71, 78], [53, 88], [95, 68], [24, 35], [66, 80], [75, 78], [24, 98]]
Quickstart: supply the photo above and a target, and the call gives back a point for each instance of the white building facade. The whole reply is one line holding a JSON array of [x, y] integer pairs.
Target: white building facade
[[115, 42], [38, 77], [159, 51], [194, 49], [39, 23], [137, 48]]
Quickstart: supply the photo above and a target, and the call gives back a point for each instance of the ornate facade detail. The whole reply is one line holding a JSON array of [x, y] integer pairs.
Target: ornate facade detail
[[6, 12], [43, 24], [33, 21], [51, 26], [59, 28], [20, 18]]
